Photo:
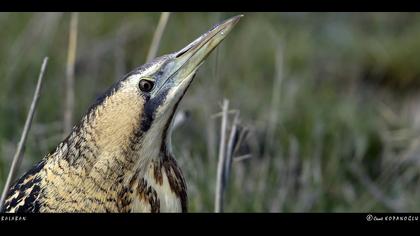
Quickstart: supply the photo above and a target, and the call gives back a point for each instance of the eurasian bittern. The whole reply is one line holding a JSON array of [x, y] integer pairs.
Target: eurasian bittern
[[118, 158]]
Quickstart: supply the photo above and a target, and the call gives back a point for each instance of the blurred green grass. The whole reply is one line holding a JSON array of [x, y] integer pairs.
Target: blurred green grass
[[345, 137]]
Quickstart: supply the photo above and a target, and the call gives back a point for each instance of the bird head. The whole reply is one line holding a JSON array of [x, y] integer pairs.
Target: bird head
[[140, 107]]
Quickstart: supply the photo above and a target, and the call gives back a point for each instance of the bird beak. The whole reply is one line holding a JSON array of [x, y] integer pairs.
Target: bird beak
[[189, 59]]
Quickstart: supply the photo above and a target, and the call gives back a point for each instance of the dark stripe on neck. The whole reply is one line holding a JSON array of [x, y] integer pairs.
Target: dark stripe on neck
[[150, 108]]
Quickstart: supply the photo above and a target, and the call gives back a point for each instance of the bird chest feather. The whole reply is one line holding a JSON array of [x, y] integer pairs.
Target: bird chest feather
[[158, 194]]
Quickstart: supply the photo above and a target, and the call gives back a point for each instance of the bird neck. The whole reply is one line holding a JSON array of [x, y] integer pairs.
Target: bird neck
[[109, 128], [107, 155], [109, 136]]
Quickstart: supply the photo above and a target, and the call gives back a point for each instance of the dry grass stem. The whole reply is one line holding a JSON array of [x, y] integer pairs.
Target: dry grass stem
[[222, 157], [71, 59], [157, 36], [21, 146]]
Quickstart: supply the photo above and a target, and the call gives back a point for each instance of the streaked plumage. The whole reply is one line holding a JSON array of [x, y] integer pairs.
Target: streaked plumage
[[118, 157]]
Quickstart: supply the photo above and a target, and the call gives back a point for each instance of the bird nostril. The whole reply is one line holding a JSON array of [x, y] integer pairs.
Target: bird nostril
[[183, 51]]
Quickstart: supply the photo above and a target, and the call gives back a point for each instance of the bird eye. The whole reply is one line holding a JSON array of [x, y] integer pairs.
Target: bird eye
[[146, 85]]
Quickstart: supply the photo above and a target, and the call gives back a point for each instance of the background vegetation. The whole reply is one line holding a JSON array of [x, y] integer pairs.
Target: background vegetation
[[330, 101]]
